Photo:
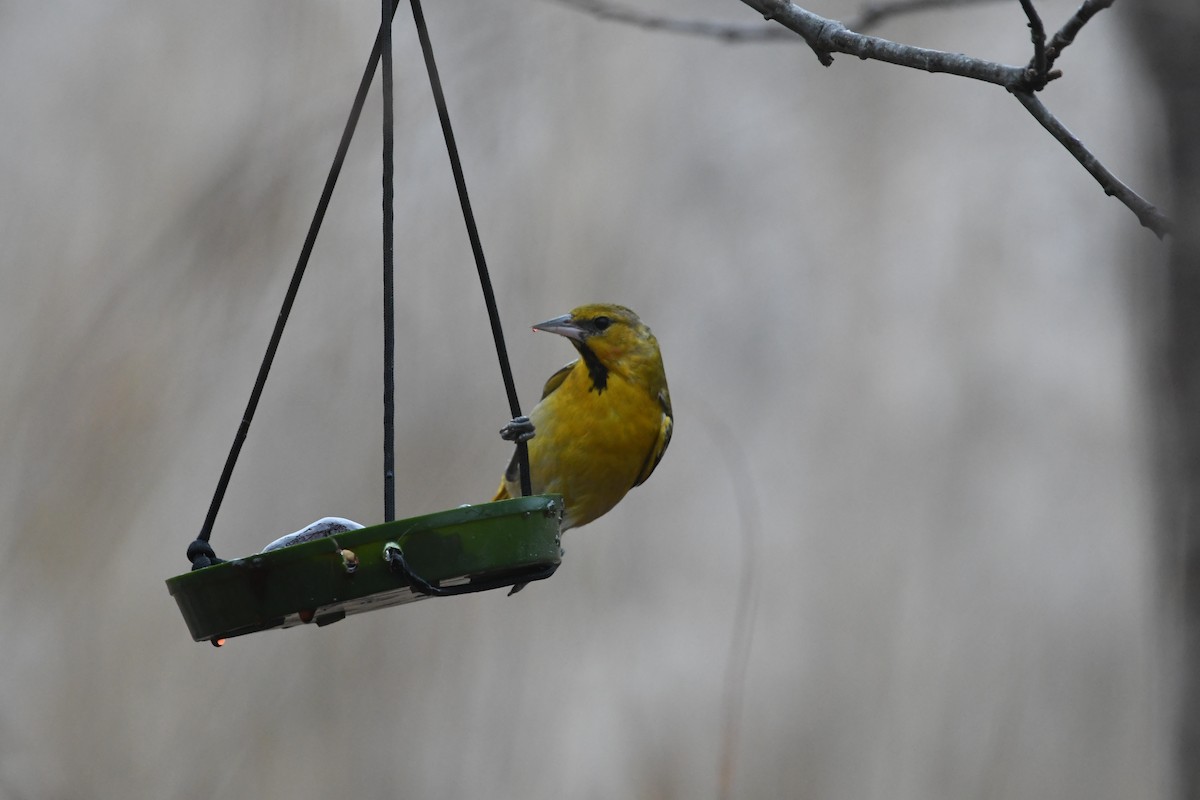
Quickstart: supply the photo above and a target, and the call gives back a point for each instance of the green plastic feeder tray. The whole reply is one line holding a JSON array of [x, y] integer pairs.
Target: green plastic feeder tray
[[468, 549]]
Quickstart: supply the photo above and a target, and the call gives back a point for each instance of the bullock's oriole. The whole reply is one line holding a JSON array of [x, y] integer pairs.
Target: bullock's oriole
[[604, 420]]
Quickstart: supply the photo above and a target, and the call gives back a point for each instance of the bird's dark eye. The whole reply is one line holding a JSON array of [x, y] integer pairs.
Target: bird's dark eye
[[602, 323]]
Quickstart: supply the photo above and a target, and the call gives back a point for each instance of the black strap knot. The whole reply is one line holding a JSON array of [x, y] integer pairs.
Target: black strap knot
[[201, 554]]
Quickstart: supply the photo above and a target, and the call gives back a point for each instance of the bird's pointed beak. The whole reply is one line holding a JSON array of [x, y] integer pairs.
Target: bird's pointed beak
[[563, 326]]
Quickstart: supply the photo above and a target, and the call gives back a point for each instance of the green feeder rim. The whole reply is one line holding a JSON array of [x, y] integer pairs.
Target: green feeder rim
[[466, 549]]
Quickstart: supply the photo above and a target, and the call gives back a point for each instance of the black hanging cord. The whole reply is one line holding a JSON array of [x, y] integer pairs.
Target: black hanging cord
[[485, 281], [200, 552], [389, 312]]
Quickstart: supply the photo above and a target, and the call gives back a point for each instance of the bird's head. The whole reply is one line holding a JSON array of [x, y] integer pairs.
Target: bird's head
[[609, 337]]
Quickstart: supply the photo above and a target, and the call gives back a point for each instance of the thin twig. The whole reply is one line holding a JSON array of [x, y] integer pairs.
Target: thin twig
[[1147, 213], [1067, 33], [1037, 34], [870, 16], [729, 32], [873, 14]]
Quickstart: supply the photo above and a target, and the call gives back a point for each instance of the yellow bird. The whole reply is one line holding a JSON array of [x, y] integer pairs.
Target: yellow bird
[[604, 420]]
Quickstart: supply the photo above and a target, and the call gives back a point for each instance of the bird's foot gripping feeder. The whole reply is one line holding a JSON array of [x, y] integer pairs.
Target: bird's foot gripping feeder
[[467, 549]]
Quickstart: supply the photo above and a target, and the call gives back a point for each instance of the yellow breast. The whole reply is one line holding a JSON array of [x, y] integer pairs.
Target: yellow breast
[[591, 446]]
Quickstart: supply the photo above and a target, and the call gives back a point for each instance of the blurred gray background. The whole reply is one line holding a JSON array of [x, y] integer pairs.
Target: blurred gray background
[[925, 322]]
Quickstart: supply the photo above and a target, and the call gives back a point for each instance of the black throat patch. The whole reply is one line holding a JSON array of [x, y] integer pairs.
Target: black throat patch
[[596, 371]]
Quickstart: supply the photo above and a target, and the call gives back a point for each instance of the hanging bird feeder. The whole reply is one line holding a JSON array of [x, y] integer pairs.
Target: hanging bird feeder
[[347, 569], [468, 549]]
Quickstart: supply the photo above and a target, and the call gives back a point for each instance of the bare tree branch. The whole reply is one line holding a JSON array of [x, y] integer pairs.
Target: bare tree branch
[[1037, 33], [1067, 33], [827, 36], [1148, 214]]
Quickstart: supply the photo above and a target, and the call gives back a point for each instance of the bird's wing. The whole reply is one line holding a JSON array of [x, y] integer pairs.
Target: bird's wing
[[557, 378], [661, 441]]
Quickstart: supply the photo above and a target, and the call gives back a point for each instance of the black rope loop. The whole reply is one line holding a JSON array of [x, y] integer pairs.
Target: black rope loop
[[398, 564]]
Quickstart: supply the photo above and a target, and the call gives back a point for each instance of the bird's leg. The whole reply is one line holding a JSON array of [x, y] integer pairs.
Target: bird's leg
[[520, 429]]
